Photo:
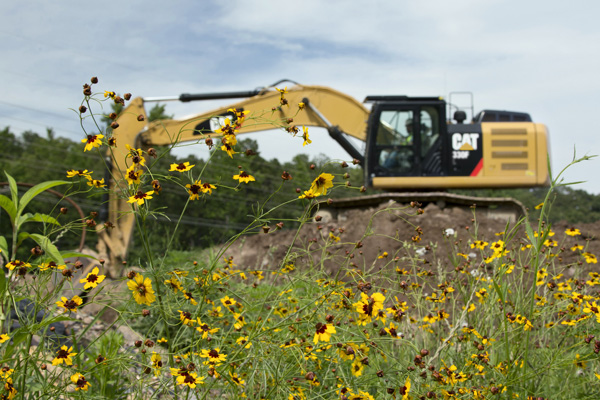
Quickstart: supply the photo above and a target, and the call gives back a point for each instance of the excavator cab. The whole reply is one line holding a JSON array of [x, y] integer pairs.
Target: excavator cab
[[405, 136]]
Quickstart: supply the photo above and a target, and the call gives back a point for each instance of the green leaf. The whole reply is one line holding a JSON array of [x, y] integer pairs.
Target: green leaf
[[498, 291], [3, 253], [45, 322], [73, 254], [34, 191], [529, 231], [4, 248], [49, 248], [20, 237], [37, 217], [9, 207], [2, 282], [14, 192], [18, 336]]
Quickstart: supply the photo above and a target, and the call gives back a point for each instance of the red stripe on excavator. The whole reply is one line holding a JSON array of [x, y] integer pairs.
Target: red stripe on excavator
[[478, 168]]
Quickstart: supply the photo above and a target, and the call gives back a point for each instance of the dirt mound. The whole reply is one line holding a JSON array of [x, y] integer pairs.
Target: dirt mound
[[390, 228]]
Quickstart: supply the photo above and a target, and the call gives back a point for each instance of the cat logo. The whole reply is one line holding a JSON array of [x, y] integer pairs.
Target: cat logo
[[465, 141]]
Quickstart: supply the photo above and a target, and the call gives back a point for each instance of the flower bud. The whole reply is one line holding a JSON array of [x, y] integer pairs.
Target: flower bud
[[127, 96], [286, 176], [94, 80], [82, 109]]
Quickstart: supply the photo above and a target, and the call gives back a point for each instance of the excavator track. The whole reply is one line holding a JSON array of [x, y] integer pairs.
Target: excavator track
[[504, 208]]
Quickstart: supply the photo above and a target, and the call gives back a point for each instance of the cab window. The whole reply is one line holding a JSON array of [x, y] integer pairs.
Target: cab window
[[395, 141]]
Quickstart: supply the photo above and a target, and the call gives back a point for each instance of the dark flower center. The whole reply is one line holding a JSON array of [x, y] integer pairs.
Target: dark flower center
[[70, 304], [321, 328]]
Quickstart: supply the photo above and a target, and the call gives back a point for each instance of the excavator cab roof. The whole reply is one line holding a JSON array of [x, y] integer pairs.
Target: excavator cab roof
[[402, 98]]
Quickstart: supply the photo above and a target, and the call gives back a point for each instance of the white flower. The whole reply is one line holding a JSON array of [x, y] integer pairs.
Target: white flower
[[449, 232], [421, 251]]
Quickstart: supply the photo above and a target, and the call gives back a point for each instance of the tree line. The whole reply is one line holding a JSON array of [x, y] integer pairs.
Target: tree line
[[34, 158]]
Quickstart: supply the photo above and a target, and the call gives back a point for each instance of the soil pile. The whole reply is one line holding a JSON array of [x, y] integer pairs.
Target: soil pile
[[390, 228]]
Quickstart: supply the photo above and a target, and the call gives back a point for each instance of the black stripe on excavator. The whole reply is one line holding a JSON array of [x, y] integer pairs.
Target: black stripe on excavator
[[204, 127], [185, 97], [337, 135]]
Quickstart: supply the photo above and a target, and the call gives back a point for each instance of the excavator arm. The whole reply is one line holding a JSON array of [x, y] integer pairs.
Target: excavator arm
[[324, 107]]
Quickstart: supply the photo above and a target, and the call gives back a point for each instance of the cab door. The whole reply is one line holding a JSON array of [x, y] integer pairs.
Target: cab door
[[405, 140]]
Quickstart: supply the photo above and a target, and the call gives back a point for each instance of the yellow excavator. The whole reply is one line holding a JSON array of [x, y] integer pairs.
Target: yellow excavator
[[411, 148]]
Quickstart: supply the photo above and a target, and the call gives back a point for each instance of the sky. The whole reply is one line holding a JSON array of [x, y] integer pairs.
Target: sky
[[540, 57]]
